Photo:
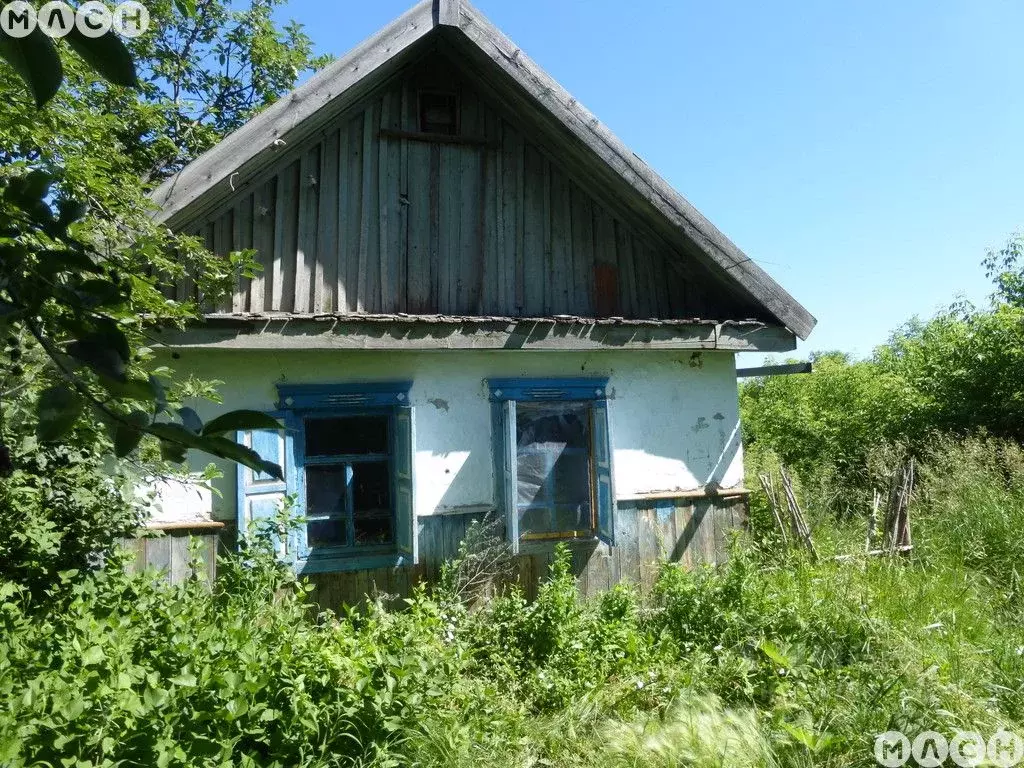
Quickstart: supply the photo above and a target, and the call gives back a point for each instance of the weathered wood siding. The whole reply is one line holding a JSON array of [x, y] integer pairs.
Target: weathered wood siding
[[170, 553], [366, 218], [648, 533], [685, 530]]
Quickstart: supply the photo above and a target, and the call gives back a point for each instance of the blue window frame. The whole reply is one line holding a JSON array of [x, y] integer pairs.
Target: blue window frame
[[347, 454], [553, 458]]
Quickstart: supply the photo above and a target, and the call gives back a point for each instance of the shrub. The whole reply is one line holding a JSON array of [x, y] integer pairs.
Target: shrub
[[59, 511], [766, 659], [134, 670]]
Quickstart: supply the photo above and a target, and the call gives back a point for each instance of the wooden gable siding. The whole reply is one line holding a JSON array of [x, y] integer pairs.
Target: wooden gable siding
[[367, 218]]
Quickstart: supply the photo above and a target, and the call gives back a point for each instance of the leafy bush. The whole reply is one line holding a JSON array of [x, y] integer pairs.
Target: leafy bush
[[61, 508], [958, 374], [766, 660], [58, 512], [132, 669]]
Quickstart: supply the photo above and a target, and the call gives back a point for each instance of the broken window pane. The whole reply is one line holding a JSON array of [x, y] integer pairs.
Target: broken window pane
[[553, 465], [373, 530], [325, 497], [325, 490], [371, 487], [327, 533], [372, 504]]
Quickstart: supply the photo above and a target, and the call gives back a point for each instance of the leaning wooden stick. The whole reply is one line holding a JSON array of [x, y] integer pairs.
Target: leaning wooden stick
[[800, 526], [773, 501]]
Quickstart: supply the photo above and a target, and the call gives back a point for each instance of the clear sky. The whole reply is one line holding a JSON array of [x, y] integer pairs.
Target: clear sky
[[865, 153]]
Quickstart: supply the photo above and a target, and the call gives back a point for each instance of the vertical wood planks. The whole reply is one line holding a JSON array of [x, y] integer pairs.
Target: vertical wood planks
[[385, 214], [158, 553], [264, 220], [222, 246], [491, 274], [492, 224], [241, 239], [606, 269], [510, 260], [179, 570], [469, 212], [368, 297], [285, 239], [627, 538], [308, 230], [547, 286], [352, 231], [449, 230], [325, 276], [647, 532], [422, 221], [401, 241], [562, 277], [627, 271], [582, 253], [170, 554], [534, 213]]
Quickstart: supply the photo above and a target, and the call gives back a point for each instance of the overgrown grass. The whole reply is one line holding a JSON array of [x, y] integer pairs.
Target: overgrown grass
[[768, 660]]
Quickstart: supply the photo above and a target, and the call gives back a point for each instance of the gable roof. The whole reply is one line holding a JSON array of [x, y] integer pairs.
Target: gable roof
[[503, 69]]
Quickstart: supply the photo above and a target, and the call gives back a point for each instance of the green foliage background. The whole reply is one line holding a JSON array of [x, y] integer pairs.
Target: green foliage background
[[765, 660], [960, 373], [83, 408]]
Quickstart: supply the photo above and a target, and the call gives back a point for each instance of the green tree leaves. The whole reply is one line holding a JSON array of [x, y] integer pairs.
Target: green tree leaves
[[107, 55], [35, 59], [83, 266], [128, 434], [78, 309], [1006, 269], [59, 407], [239, 421], [961, 372]]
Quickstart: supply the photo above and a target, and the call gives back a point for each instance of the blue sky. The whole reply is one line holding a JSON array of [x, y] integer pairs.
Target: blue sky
[[865, 153]]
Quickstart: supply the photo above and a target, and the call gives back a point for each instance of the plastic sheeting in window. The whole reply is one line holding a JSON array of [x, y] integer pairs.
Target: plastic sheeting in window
[[553, 467]]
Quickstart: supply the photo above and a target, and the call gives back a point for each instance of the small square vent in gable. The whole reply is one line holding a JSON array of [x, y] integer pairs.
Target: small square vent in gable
[[439, 113]]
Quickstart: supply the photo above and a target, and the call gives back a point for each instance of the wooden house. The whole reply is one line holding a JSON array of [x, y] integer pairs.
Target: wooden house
[[473, 300]]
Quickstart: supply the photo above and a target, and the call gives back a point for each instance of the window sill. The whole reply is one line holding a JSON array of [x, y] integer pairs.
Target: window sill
[[565, 536], [341, 563], [544, 546]]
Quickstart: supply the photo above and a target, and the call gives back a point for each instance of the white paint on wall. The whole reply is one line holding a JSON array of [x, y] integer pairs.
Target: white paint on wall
[[674, 415], [178, 501]]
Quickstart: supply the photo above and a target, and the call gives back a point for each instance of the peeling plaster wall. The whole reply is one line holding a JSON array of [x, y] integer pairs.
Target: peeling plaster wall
[[674, 415]]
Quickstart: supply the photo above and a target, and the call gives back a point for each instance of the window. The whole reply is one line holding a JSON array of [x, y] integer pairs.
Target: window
[[554, 466], [347, 455], [553, 458], [348, 482], [439, 113]]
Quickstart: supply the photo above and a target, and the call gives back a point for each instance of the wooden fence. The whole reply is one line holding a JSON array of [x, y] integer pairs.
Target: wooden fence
[[173, 548]]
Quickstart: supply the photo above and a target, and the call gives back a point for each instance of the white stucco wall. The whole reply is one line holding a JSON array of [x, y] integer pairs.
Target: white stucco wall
[[674, 416]]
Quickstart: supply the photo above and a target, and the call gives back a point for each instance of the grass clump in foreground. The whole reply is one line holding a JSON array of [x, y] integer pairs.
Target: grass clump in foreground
[[764, 661]]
